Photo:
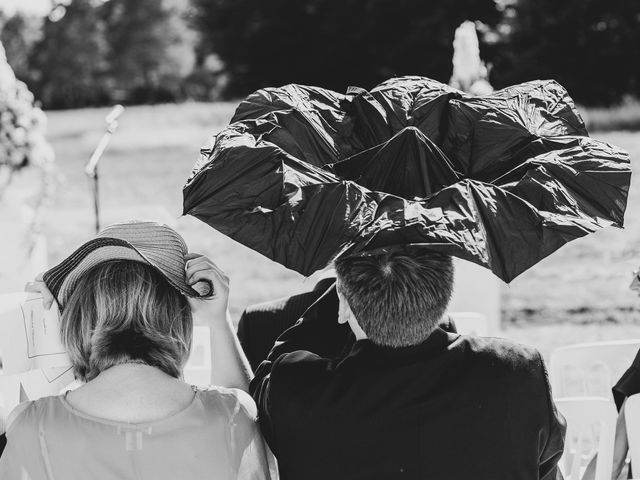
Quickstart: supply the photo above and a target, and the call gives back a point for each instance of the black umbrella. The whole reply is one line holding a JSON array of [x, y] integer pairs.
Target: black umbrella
[[304, 175]]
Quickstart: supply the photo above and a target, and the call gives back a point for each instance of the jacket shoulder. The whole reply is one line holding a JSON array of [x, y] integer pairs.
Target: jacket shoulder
[[503, 355], [300, 368], [293, 303]]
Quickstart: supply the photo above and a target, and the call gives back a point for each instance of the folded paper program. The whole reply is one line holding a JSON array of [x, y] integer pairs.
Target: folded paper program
[[29, 335], [34, 360]]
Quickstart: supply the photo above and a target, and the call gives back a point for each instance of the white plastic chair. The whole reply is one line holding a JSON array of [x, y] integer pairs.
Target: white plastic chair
[[471, 323], [590, 369], [591, 426], [632, 418]]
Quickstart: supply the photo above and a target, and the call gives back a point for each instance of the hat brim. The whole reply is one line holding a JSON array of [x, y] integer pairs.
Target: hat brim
[[62, 279]]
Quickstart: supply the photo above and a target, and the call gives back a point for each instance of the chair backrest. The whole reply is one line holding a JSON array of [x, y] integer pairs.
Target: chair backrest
[[591, 426], [590, 369], [632, 418], [471, 323]]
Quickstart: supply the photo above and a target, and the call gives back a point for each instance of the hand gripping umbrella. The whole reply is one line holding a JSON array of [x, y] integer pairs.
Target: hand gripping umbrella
[[304, 175]]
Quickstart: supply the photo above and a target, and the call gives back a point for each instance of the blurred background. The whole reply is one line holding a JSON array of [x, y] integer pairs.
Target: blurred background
[[180, 67]]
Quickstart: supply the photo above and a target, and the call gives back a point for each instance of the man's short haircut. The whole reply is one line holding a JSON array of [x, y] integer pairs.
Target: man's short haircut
[[122, 311], [397, 296]]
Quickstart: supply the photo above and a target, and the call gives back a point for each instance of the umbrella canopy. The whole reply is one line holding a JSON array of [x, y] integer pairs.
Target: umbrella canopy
[[304, 175]]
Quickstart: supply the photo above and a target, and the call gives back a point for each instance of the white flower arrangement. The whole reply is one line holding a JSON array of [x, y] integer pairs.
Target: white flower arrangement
[[22, 123]]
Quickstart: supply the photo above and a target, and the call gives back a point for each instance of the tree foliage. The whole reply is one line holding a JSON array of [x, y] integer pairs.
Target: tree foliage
[[22, 125], [18, 34], [331, 43], [92, 52], [150, 48], [590, 46], [68, 63]]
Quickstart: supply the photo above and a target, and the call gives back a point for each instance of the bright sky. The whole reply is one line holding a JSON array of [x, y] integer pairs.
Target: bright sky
[[31, 6]]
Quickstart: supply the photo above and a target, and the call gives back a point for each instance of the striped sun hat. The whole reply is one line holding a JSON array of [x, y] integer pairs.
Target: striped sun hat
[[152, 243]]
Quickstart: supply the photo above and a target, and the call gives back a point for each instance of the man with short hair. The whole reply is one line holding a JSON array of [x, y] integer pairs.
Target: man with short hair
[[260, 325], [409, 400]]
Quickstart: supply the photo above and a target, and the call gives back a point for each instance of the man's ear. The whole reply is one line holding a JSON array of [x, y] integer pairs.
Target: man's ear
[[345, 315], [344, 311]]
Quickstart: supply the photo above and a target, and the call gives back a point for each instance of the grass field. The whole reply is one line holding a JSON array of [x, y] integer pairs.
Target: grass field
[[625, 116], [580, 293], [141, 176]]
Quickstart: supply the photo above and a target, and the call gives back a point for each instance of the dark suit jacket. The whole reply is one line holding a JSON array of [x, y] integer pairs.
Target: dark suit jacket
[[454, 407], [629, 383], [261, 325]]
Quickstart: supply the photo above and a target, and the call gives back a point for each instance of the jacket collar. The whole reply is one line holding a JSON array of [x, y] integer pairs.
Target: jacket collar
[[438, 341], [327, 300]]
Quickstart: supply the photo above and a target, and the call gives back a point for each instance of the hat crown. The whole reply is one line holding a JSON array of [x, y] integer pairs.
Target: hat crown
[[144, 233], [149, 242]]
